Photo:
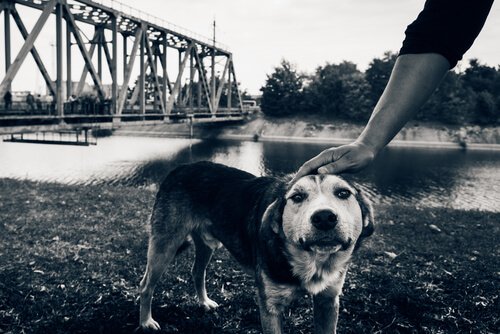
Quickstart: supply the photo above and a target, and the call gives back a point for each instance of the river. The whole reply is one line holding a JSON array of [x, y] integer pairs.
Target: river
[[420, 177]]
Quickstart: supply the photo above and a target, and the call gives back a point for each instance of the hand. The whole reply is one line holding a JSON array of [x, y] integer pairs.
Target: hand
[[347, 158]]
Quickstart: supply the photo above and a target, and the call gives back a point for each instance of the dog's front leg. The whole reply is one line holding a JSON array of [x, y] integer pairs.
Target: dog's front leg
[[271, 320], [326, 312]]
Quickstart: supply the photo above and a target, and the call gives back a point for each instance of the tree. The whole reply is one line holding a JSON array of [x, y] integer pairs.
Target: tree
[[481, 77], [451, 103], [378, 73], [282, 92], [339, 90], [358, 104], [486, 110], [484, 81]]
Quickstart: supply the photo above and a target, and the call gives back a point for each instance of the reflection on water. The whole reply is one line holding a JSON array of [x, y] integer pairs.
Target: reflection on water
[[422, 177]]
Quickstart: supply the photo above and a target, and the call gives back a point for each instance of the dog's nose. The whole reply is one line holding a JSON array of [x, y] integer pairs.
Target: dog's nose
[[324, 220]]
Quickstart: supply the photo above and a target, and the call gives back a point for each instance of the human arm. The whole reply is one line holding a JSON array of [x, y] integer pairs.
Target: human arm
[[413, 79], [434, 42]]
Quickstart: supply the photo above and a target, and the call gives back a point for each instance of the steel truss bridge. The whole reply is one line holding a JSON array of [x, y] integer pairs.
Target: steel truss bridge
[[202, 84]]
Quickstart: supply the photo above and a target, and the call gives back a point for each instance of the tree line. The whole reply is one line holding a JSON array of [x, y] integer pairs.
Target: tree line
[[342, 91]]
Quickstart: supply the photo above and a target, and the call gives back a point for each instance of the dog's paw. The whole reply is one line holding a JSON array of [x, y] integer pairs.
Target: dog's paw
[[150, 325], [209, 304]]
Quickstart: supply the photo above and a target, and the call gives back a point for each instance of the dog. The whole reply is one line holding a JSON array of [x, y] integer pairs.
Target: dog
[[293, 238]]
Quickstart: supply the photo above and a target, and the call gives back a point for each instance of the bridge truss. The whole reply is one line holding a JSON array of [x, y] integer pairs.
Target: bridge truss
[[196, 87]]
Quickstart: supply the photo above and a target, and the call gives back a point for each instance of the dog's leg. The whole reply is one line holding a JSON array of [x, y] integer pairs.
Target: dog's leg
[[160, 254], [326, 312], [202, 258], [271, 322]]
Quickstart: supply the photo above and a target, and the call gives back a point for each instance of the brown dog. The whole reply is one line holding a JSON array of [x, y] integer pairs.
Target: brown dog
[[292, 238]]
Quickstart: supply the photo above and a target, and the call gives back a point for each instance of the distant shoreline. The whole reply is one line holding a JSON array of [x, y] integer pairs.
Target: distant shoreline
[[303, 130]]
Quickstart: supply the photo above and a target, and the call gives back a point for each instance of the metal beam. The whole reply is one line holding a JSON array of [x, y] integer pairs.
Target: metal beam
[[114, 64], [125, 55], [163, 62], [155, 73], [107, 54], [69, 80], [180, 101], [166, 81], [28, 44], [177, 85], [59, 60], [50, 84], [7, 40], [85, 71], [229, 88], [222, 81], [203, 79], [191, 81], [212, 90], [236, 83], [142, 72], [99, 53], [83, 50], [128, 73], [137, 88]]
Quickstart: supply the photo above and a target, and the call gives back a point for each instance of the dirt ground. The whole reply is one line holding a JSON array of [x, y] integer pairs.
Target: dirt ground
[[71, 258]]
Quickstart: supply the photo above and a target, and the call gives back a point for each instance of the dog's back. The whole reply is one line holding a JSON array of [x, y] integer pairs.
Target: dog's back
[[201, 195]]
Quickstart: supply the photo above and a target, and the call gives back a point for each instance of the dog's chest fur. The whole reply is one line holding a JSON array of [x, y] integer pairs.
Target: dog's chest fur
[[316, 272]]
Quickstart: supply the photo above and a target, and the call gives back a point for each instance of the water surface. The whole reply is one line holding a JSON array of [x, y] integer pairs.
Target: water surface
[[420, 177]]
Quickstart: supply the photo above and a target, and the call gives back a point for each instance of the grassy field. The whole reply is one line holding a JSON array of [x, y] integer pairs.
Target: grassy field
[[71, 258]]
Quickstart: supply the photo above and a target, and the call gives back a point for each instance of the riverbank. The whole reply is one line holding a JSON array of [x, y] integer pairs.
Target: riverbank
[[309, 129], [71, 258]]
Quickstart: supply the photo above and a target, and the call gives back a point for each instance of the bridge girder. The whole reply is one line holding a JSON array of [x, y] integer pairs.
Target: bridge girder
[[151, 41]]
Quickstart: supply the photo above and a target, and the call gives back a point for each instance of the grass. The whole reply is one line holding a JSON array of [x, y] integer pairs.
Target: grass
[[71, 258]]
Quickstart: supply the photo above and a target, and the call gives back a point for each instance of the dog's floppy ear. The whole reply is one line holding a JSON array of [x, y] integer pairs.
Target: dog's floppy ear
[[366, 214], [273, 215]]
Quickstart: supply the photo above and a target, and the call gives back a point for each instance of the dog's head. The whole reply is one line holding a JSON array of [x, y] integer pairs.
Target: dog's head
[[321, 215]]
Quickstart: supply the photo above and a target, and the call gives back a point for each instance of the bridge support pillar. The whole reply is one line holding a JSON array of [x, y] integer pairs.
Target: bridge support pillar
[[114, 65], [69, 85], [7, 41], [59, 59], [142, 74]]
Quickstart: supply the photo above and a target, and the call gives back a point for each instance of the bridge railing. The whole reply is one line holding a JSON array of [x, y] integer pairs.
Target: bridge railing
[[139, 14]]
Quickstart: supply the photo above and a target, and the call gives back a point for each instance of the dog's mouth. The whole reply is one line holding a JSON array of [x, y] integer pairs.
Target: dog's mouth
[[326, 245]]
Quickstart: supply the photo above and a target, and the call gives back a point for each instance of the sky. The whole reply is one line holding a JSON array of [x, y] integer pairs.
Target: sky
[[260, 33]]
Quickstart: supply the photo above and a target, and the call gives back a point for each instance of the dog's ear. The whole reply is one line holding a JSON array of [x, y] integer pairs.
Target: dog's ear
[[273, 215], [366, 214]]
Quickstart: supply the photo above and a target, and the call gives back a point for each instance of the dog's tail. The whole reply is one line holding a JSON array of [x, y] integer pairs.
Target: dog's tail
[[185, 245]]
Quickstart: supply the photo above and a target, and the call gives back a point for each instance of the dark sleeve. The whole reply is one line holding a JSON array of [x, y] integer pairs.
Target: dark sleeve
[[446, 27]]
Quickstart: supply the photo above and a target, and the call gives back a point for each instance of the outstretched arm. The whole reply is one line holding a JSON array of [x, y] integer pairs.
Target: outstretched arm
[[434, 42], [413, 79]]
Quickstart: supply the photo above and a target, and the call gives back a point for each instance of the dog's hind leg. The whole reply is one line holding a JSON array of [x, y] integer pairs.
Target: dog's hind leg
[[202, 258], [161, 252]]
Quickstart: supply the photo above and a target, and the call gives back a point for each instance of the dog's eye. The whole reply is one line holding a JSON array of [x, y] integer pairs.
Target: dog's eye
[[297, 198], [342, 193]]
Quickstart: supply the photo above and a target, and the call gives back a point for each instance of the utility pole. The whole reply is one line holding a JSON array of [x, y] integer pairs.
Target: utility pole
[[212, 90]]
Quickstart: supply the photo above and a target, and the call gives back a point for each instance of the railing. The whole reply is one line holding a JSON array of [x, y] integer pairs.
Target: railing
[[139, 14]]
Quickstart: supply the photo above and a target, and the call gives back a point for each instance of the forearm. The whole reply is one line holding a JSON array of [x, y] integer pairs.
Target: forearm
[[412, 81]]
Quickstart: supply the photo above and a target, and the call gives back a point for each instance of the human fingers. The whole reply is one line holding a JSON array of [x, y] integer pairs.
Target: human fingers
[[349, 158], [310, 166]]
